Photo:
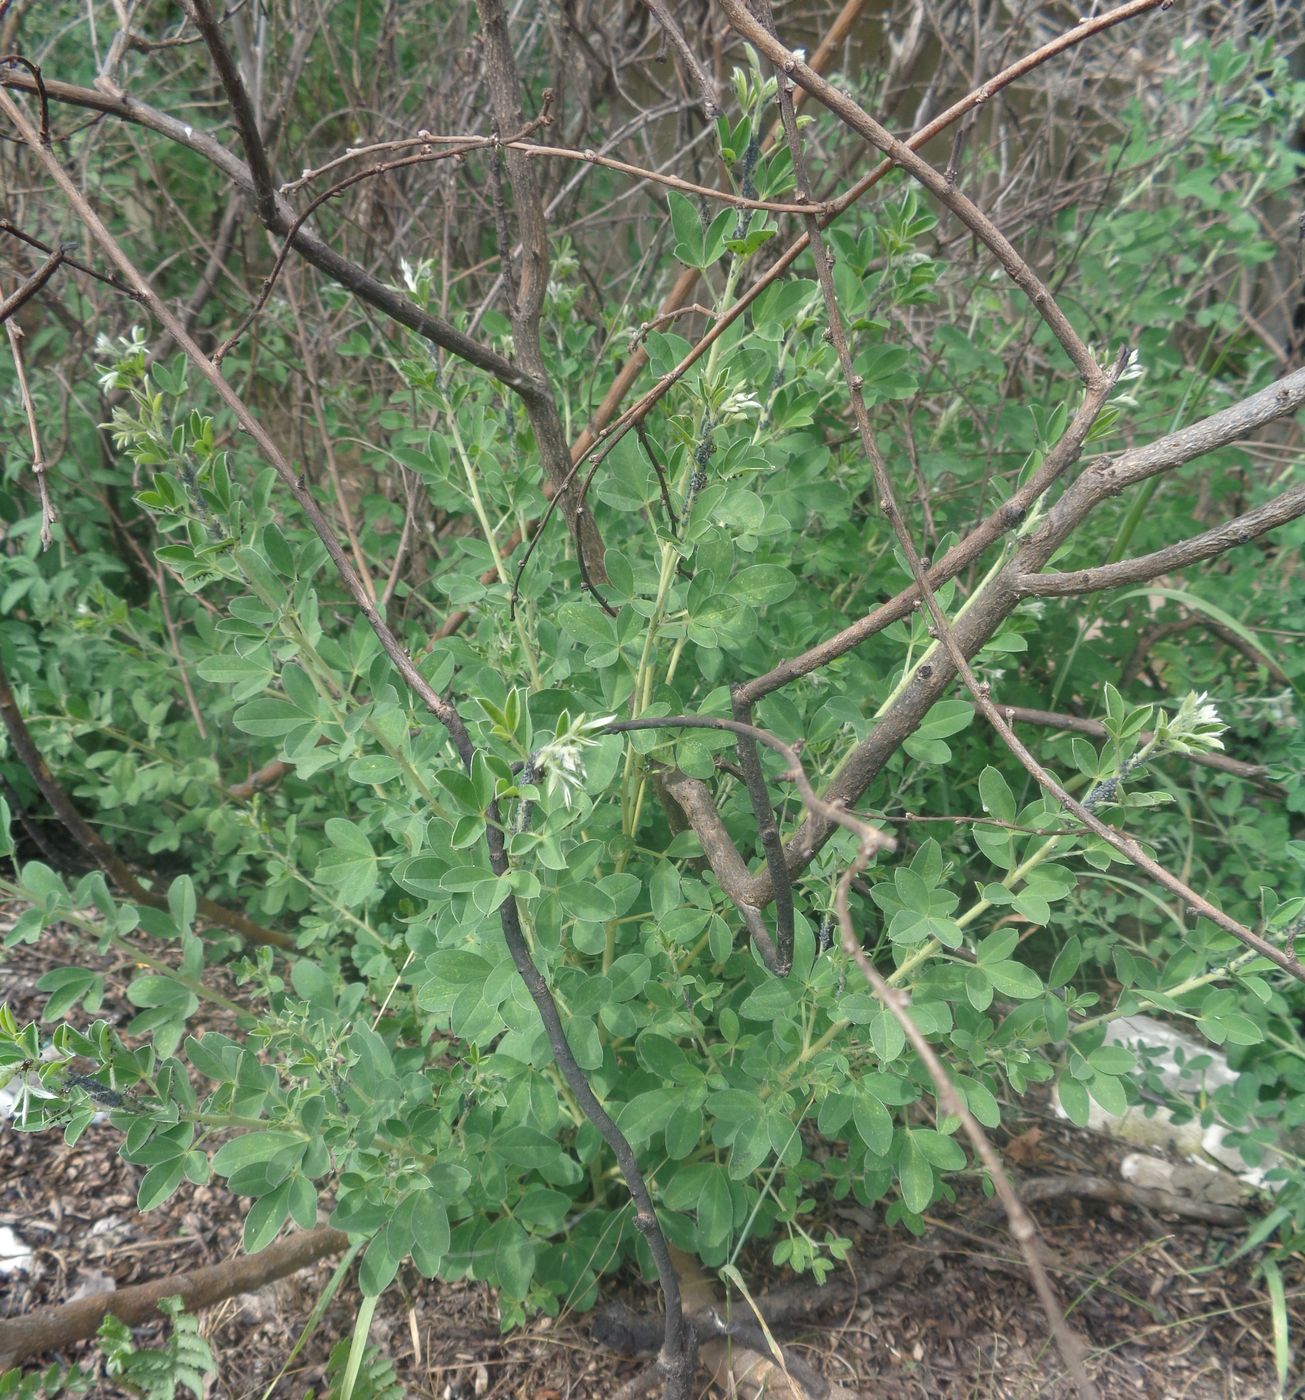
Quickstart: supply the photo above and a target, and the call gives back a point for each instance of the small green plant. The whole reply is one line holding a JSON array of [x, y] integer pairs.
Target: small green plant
[[183, 1363], [374, 1379], [54, 1381]]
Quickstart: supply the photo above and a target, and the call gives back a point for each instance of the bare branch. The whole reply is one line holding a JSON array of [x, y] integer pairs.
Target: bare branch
[[313, 248], [242, 110], [1279, 511], [532, 286], [15, 338], [706, 88], [25, 291]]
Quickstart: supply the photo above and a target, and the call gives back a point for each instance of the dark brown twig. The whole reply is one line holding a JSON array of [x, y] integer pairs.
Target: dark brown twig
[[26, 290], [6, 226], [16, 60], [15, 337], [642, 434], [532, 286]]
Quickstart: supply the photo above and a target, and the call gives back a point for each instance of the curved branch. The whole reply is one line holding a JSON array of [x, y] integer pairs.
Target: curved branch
[[1081, 724], [706, 88], [25, 291], [530, 290], [1279, 511], [242, 109]]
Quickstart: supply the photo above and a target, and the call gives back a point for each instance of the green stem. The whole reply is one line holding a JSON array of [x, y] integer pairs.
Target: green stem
[[478, 505]]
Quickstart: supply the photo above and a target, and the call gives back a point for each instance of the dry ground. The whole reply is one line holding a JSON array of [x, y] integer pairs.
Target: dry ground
[[1163, 1315]]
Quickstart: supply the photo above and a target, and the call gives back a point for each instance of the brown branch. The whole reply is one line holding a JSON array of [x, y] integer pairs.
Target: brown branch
[[1022, 1226], [532, 279], [25, 291], [1084, 1186], [706, 88], [260, 780], [464, 145], [52, 1329], [932, 679], [314, 249], [7, 226], [15, 336], [772, 844], [1191, 619], [242, 109], [1254, 523]]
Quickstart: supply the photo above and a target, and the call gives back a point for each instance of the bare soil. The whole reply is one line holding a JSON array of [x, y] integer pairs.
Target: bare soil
[[1162, 1310]]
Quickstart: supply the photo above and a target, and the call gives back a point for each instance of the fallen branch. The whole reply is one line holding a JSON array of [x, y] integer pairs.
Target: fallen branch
[[50, 1329]]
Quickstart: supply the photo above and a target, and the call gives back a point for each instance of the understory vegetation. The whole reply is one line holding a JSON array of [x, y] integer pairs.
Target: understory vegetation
[[678, 674]]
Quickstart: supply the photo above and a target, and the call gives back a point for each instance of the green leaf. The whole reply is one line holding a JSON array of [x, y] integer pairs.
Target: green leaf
[[914, 1175], [349, 863], [762, 584], [687, 228], [160, 1182], [378, 1267], [1109, 1093], [67, 986], [430, 1232], [268, 718], [1074, 1100], [582, 900], [996, 796], [1013, 979], [874, 1124], [1066, 963], [259, 1146], [715, 1208], [265, 1218], [944, 1152], [374, 768]]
